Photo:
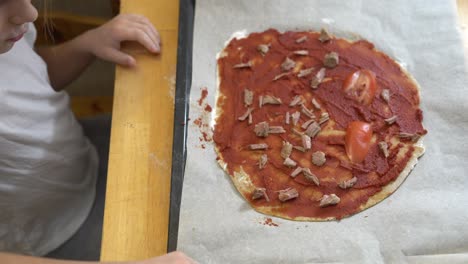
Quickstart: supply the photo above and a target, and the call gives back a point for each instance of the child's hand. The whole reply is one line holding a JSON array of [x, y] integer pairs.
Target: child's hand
[[104, 42]]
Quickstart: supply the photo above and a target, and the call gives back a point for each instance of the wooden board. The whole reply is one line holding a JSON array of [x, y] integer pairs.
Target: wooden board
[[138, 184]]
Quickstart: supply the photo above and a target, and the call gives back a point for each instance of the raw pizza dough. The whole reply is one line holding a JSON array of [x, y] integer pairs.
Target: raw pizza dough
[[276, 65]]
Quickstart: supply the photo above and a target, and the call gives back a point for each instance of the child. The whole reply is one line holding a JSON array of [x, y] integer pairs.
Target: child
[[48, 167]]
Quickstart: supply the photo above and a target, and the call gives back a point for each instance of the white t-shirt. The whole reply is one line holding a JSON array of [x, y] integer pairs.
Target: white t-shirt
[[48, 168]]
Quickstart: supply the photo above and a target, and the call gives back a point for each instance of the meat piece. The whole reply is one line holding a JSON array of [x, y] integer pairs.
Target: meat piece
[[287, 118], [246, 114], [269, 99], [385, 95], [306, 111], [248, 64], [248, 97], [260, 101], [409, 136], [317, 79], [260, 193], [307, 123], [299, 133], [297, 100], [262, 161], [318, 158], [295, 117], [263, 49], [287, 194], [276, 130], [306, 142], [301, 149], [301, 39], [313, 130], [310, 176], [348, 183], [301, 52], [383, 146], [286, 150], [260, 146], [329, 199], [324, 117], [391, 120], [331, 60], [279, 76], [250, 121], [262, 129], [315, 104], [324, 35], [288, 64], [296, 172], [305, 72], [289, 163]]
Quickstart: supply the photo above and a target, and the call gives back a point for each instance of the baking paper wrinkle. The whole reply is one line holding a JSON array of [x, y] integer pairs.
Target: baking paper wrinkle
[[424, 221]]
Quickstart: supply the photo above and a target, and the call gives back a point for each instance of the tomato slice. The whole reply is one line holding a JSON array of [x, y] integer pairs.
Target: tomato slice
[[357, 140], [360, 86]]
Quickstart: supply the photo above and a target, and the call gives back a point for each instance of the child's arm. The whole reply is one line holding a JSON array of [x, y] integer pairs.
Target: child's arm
[[172, 258], [67, 61]]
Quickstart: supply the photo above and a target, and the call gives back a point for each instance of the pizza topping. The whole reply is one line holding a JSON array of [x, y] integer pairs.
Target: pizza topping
[[306, 142], [288, 64], [260, 146], [301, 52], [315, 104], [295, 117], [391, 120], [313, 130], [262, 161], [298, 100], [360, 86], [260, 193], [287, 194], [412, 137], [260, 101], [310, 176], [317, 79], [302, 149], [246, 114], [331, 60], [289, 163], [287, 118], [279, 76], [324, 117], [306, 124], [248, 64], [248, 97], [306, 111], [383, 146], [276, 130], [301, 39], [357, 140], [296, 172], [328, 200], [286, 150], [305, 72], [250, 121], [263, 49], [348, 183], [269, 99], [318, 158], [262, 129], [385, 95], [324, 35]]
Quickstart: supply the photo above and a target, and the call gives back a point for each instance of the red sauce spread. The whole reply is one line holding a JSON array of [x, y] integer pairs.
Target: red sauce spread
[[233, 136]]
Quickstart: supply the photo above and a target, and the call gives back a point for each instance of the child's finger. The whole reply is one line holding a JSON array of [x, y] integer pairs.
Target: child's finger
[[145, 21], [148, 31], [141, 37], [118, 57]]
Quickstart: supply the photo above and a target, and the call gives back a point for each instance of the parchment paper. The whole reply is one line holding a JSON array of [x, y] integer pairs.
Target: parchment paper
[[424, 221]]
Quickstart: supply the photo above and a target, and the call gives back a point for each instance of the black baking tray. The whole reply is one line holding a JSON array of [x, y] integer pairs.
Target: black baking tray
[[181, 112]]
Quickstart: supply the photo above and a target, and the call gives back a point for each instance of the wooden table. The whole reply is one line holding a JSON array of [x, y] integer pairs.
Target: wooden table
[[138, 185]]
